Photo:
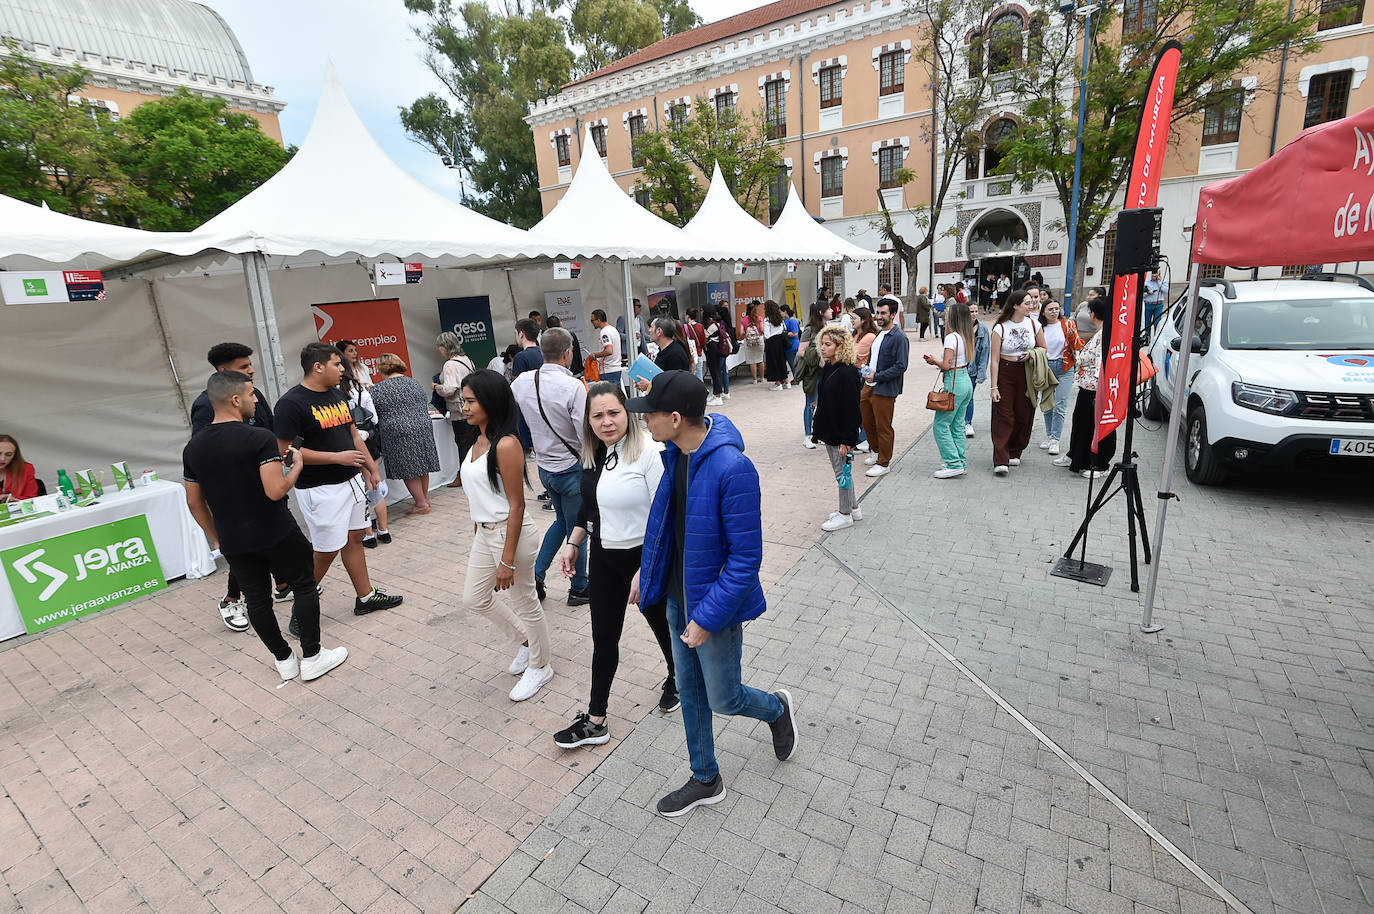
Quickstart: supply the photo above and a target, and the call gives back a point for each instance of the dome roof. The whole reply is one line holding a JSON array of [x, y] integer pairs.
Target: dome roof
[[175, 34]]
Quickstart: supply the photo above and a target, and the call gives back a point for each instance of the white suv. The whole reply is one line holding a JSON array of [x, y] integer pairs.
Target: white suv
[[1282, 374]]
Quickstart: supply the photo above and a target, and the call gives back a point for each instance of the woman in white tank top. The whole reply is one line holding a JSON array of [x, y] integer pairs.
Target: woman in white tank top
[[505, 541]]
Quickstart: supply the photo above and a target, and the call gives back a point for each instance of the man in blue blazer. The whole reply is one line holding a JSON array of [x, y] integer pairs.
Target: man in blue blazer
[[883, 384]]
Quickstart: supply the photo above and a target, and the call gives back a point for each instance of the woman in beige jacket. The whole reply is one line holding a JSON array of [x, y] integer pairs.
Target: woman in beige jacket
[[456, 367]]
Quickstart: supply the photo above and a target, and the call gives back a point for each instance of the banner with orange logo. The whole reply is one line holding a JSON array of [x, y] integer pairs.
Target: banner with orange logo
[[374, 325]]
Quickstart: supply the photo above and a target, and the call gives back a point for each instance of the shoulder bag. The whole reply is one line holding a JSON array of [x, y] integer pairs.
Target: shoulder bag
[[940, 399], [539, 401]]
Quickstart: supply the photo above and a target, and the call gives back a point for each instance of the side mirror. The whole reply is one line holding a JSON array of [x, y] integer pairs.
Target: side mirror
[[1195, 346]]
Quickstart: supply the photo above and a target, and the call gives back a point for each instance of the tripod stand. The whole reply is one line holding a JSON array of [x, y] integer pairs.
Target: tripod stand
[[1124, 474]]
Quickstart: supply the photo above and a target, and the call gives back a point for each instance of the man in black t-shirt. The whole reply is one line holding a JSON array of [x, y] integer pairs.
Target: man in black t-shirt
[[236, 491], [332, 489]]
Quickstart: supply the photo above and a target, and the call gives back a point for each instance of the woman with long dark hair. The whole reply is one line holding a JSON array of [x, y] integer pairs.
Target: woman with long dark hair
[[1014, 335], [621, 469], [751, 339], [953, 363], [364, 413], [774, 345], [809, 368], [1061, 342], [505, 541], [718, 348]]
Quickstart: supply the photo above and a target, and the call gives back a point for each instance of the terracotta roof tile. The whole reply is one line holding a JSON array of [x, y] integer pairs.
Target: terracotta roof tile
[[710, 33]]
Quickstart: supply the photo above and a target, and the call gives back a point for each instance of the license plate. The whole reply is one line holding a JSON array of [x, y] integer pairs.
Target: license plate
[[1352, 447]]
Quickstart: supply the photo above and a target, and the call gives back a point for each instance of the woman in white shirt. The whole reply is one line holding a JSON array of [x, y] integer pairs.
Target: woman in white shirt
[[505, 541], [1061, 342], [621, 469], [1014, 335], [949, 426]]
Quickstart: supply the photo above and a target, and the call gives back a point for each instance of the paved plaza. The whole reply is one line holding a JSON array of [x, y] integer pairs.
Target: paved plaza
[[975, 734]]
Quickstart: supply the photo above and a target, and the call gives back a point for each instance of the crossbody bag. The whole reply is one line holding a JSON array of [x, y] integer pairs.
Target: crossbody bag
[[539, 401]]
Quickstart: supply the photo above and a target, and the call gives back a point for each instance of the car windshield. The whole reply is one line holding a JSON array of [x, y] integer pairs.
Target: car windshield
[[1305, 323]]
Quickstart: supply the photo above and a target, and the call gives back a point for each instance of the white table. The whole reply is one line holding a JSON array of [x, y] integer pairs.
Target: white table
[[181, 546], [448, 462]]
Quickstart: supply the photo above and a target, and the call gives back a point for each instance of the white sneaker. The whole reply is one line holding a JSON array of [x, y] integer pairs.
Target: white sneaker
[[968, 430], [1062, 461], [869, 461], [877, 470], [949, 473], [1045, 445], [862, 446], [1093, 474], [535, 678], [856, 512], [1054, 445], [838, 521], [323, 662], [521, 661], [714, 401], [808, 443], [289, 668], [776, 387], [234, 614], [787, 386], [725, 395], [1015, 462], [1000, 470]]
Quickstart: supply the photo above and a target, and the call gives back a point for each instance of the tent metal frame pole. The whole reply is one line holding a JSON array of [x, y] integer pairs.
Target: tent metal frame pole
[[1166, 476], [628, 340], [768, 278], [167, 351], [264, 312]]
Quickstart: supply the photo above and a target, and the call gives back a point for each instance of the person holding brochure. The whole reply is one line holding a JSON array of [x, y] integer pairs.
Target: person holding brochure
[[673, 354]]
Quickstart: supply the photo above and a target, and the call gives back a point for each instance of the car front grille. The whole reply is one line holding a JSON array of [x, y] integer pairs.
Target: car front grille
[[1335, 407]]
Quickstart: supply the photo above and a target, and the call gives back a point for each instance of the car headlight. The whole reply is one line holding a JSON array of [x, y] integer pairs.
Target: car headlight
[[1265, 399]]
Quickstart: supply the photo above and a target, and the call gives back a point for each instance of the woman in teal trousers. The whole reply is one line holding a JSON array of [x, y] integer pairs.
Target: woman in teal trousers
[[949, 426]]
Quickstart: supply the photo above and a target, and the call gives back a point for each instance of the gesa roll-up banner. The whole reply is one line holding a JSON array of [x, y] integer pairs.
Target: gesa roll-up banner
[[1114, 391], [470, 318], [374, 325]]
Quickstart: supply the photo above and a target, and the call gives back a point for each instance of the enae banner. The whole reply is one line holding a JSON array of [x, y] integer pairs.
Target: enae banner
[[1114, 391], [470, 318], [375, 326]]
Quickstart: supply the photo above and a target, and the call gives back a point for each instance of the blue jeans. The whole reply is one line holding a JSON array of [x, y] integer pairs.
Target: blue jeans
[[612, 377], [708, 680], [808, 413], [792, 362], [565, 492], [1153, 309], [968, 417], [1054, 420]]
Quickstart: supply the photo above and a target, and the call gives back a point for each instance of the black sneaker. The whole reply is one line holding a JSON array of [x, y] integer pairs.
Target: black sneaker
[[784, 728], [281, 594], [691, 795], [294, 628], [548, 506], [369, 542], [669, 702], [539, 589], [579, 598], [543, 496], [583, 732], [378, 600], [384, 536]]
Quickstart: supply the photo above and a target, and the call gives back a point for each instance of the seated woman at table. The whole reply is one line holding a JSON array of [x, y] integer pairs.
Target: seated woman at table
[[405, 429], [17, 481]]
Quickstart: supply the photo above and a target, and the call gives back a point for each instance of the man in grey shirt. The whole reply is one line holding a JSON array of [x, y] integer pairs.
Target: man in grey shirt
[[552, 403]]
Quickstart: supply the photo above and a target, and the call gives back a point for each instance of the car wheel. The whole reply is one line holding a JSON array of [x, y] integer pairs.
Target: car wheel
[[1199, 457], [1153, 409]]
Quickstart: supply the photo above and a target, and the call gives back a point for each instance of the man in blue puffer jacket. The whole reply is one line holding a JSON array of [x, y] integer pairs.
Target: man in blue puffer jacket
[[708, 570]]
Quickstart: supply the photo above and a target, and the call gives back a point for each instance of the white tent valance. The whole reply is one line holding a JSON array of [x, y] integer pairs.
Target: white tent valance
[[34, 235]]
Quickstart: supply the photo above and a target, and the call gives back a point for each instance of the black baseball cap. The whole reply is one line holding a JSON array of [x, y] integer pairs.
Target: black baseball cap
[[672, 392]]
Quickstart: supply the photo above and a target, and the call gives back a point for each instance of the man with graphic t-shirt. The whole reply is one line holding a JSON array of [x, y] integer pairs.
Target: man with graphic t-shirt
[[236, 491], [608, 355], [331, 491]]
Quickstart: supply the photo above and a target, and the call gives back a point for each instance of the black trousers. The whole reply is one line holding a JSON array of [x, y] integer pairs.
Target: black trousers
[[609, 573], [715, 363], [293, 561], [1081, 437], [775, 358], [464, 436]]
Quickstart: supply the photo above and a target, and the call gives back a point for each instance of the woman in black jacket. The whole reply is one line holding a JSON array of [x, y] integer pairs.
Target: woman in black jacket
[[836, 422]]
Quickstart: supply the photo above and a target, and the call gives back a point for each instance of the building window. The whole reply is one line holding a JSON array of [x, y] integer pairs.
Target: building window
[[1336, 13], [832, 176], [1035, 40], [1137, 17], [1213, 271], [1327, 96], [560, 145], [777, 194], [975, 55], [999, 133], [642, 197], [889, 163], [637, 123], [1294, 269], [890, 273], [1221, 118], [891, 72], [599, 139], [1108, 255], [677, 114], [725, 102], [832, 277], [831, 93], [1004, 43], [775, 108]]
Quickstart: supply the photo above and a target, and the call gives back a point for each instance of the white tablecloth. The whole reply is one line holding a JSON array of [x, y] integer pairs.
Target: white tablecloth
[[448, 462], [181, 546]]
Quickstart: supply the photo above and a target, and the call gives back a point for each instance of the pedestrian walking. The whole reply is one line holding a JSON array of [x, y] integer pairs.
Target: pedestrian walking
[[922, 304], [774, 345], [793, 342], [404, 429], [621, 469], [1014, 335], [807, 373], [1061, 342], [750, 334], [836, 423], [883, 373], [504, 538], [608, 352], [359, 400], [978, 368], [718, 349], [708, 571], [953, 365], [695, 335], [1080, 458]]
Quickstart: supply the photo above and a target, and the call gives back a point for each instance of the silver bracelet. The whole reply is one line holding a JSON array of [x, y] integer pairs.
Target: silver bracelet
[[507, 564]]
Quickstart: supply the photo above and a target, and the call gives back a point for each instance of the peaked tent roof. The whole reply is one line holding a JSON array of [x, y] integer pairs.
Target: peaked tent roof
[[31, 234], [341, 194], [795, 228], [721, 217]]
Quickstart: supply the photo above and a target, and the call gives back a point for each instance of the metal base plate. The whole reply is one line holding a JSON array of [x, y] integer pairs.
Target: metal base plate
[[1083, 572]]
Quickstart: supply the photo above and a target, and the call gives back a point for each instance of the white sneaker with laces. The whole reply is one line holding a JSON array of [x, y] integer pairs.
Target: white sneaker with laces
[[862, 446], [714, 401], [968, 430], [856, 512], [838, 521], [1045, 445], [1015, 461], [877, 470], [289, 668], [776, 387], [234, 614], [535, 678], [1054, 445], [521, 661], [870, 460], [323, 662], [1062, 461], [808, 443], [948, 473], [1000, 470], [1093, 474]]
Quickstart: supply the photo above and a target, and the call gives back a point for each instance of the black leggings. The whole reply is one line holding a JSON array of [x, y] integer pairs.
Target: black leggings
[[292, 560], [715, 362], [609, 573], [1081, 436]]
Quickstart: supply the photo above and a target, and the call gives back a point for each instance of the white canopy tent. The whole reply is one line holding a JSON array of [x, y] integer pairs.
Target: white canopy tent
[[795, 228], [35, 237], [721, 217]]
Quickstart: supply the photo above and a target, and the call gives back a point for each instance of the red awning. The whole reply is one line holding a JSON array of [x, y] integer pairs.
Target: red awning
[[1312, 202]]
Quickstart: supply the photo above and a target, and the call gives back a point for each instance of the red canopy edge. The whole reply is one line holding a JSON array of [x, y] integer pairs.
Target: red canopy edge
[[1311, 202]]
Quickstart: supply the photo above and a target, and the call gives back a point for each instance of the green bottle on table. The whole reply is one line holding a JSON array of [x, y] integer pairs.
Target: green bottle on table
[[64, 484]]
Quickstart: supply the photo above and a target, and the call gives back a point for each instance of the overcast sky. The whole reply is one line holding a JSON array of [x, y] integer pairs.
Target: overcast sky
[[376, 56]]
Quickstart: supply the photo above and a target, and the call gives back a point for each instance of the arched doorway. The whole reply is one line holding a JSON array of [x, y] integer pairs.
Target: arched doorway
[[996, 241]]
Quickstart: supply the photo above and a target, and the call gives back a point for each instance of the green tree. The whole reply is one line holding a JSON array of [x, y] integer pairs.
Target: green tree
[[51, 150], [677, 157], [1221, 40], [607, 30], [192, 158]]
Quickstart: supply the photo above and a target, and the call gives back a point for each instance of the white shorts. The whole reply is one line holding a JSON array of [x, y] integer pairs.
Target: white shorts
[[333, 510]]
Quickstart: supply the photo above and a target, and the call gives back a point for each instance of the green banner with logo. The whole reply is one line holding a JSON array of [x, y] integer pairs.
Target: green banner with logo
[[65, 577]]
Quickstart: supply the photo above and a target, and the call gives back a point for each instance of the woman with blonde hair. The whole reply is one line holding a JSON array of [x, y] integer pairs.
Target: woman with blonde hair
[[836, 421], [953, 363]]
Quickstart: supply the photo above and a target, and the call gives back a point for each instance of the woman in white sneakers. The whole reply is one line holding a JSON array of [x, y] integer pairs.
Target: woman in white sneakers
[[505, 540], [836, 422]]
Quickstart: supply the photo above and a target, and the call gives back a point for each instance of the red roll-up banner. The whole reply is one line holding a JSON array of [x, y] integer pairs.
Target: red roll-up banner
[[1114, 380]]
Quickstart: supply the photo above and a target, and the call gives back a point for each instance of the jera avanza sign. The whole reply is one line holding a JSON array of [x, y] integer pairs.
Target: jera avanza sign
[[65, 577]]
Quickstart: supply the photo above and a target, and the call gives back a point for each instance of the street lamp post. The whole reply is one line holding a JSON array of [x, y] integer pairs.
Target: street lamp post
[[1087, 13]]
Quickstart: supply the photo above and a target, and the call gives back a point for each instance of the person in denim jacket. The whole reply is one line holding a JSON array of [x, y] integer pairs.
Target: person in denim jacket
[[978, 367]]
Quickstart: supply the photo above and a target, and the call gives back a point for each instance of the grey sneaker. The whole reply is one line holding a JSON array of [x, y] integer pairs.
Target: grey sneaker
[[784, 728], [691, 795]]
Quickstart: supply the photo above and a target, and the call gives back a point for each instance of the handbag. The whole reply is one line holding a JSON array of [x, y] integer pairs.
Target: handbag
[[1147, 368], [942, 401]]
